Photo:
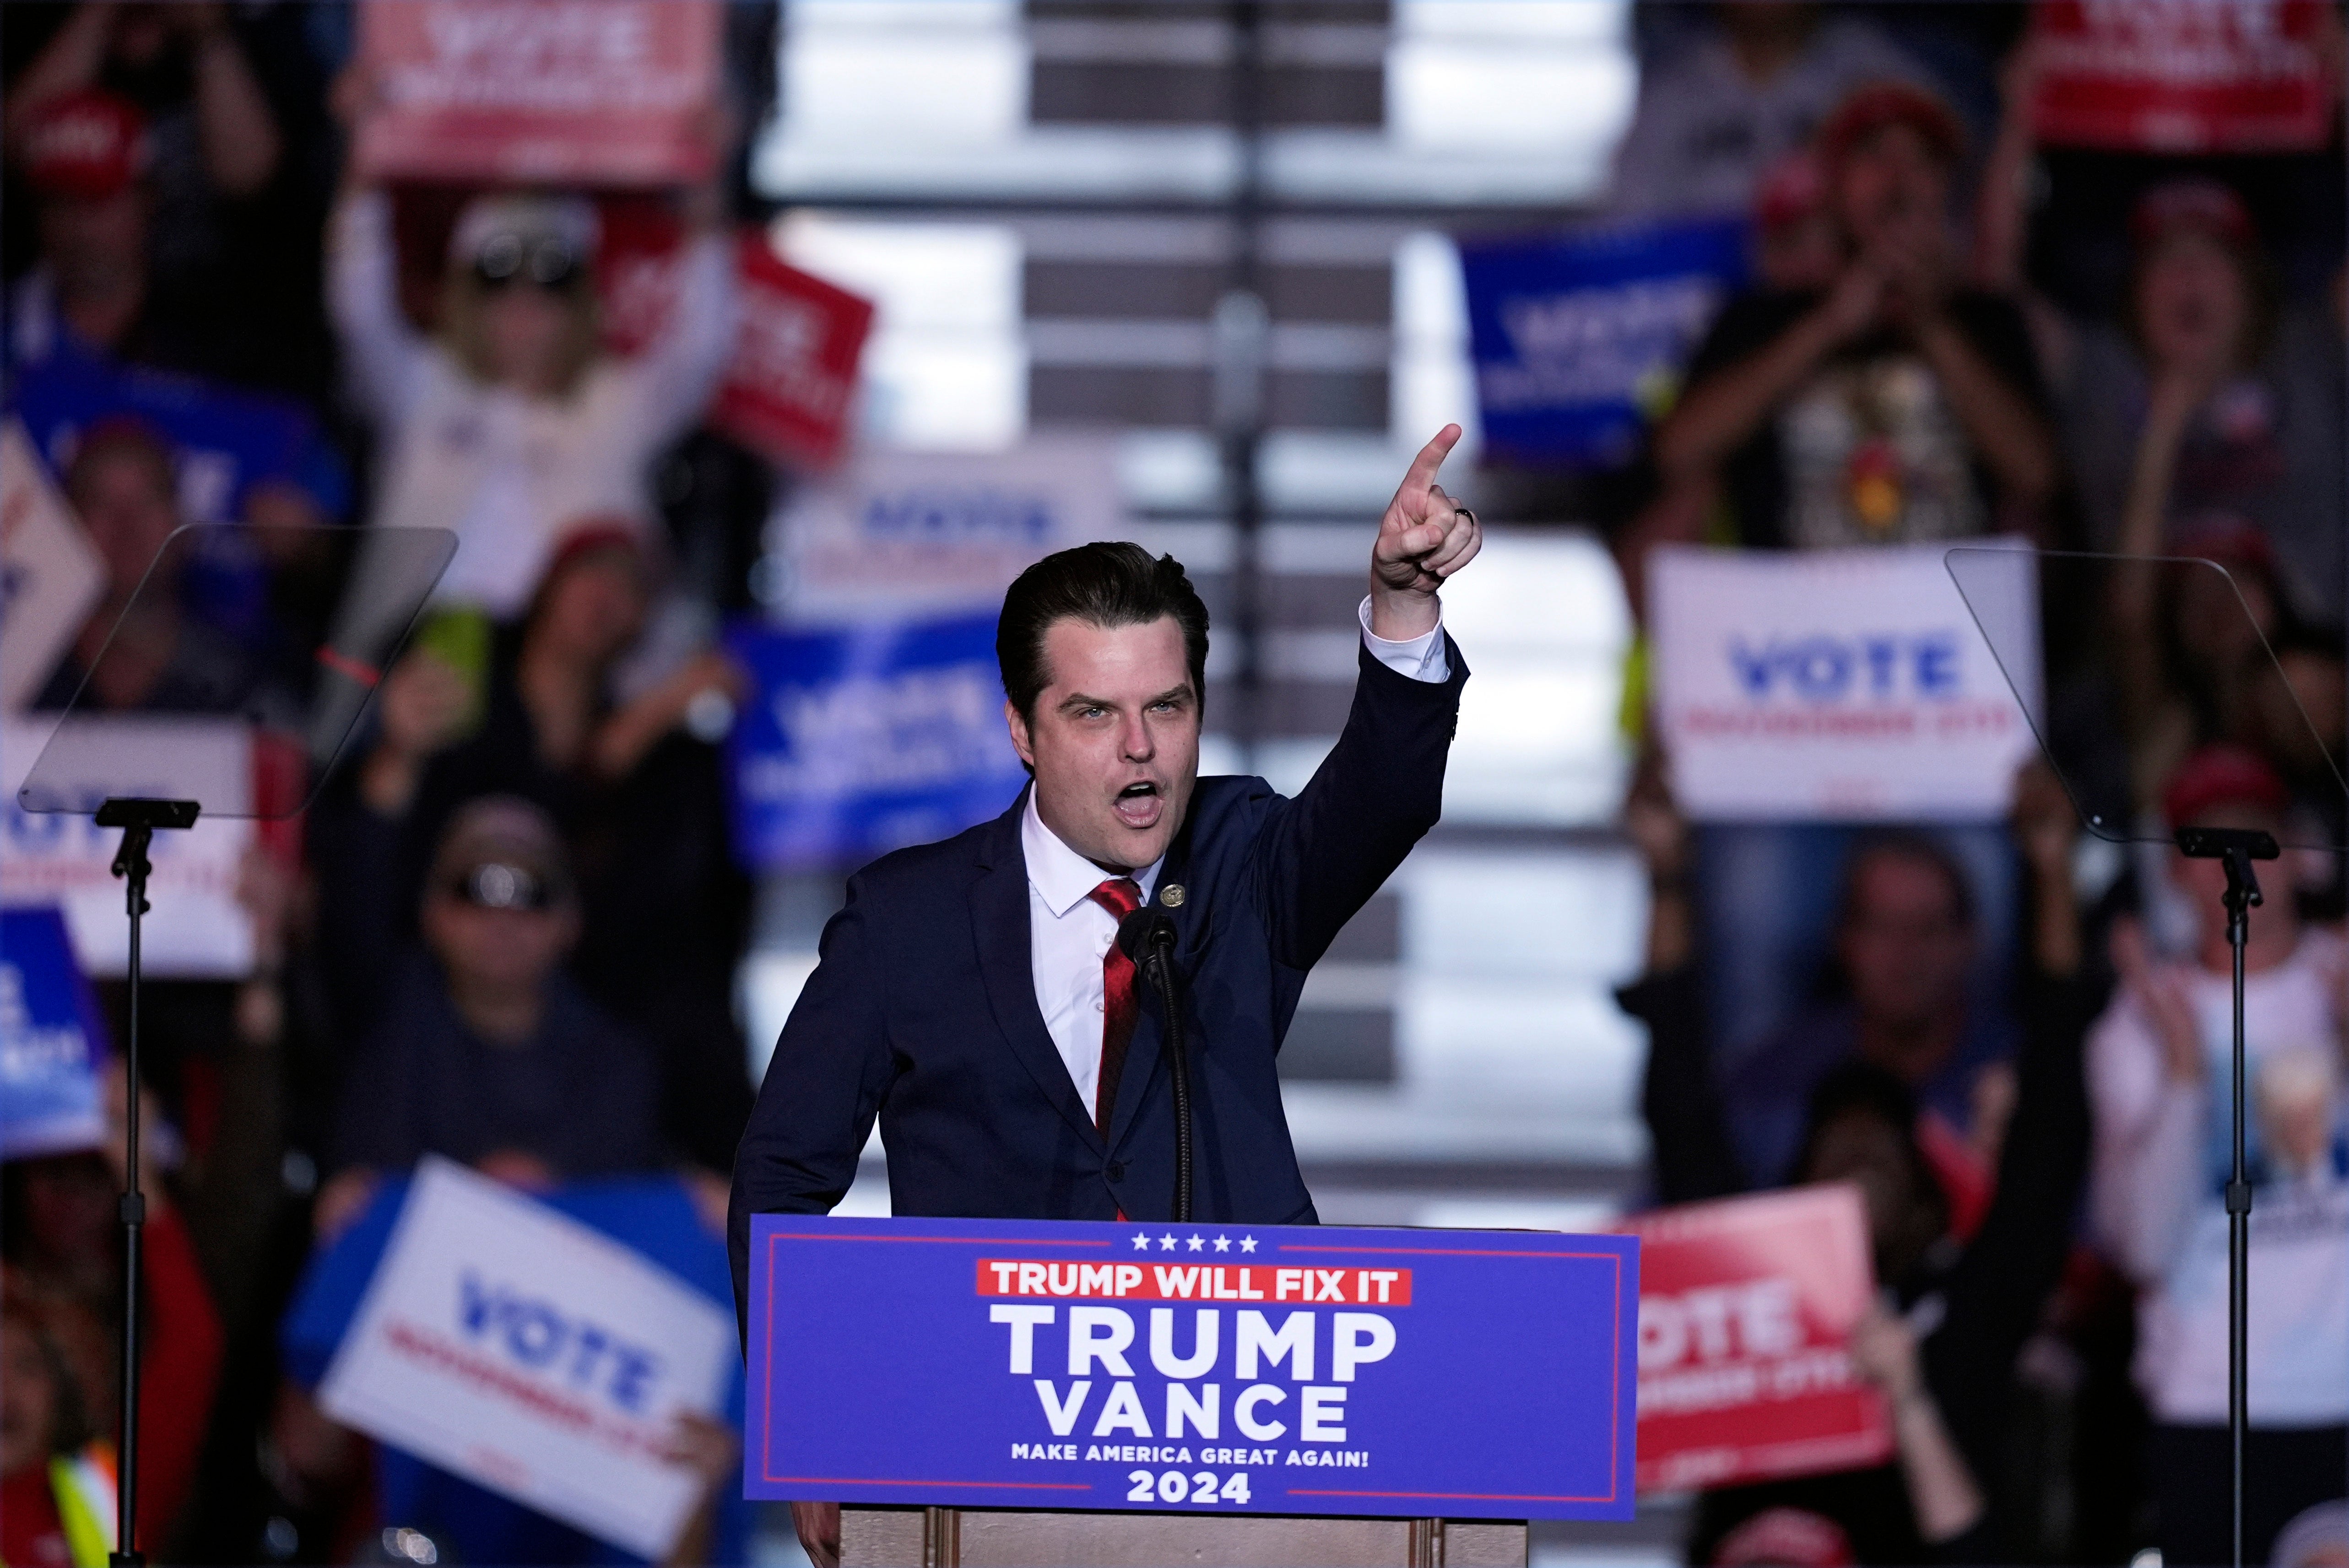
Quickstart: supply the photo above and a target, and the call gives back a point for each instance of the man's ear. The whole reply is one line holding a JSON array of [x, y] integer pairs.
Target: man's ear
[[1017, 722]]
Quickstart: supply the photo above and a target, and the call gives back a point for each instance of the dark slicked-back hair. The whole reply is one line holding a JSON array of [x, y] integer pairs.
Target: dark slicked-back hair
[[1103, 585]]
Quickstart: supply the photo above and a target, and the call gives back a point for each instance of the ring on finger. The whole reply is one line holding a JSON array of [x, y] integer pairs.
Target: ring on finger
[[1463, 511]]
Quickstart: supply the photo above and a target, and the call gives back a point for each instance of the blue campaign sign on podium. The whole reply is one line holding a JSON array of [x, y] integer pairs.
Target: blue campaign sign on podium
[[1234, 1368]]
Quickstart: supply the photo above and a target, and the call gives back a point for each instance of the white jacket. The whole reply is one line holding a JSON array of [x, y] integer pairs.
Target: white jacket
[[512, 474], [2161, 1149]]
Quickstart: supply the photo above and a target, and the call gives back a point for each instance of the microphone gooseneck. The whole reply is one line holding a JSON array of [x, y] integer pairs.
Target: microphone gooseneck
[[1147, 938]]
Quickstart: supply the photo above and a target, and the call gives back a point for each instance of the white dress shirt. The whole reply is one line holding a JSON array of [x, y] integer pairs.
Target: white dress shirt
[[1068, 934]]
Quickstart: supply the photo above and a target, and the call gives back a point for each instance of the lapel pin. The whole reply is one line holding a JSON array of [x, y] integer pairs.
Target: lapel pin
[[1171, 895]]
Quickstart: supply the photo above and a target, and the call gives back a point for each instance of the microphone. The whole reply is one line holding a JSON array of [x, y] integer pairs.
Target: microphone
[[1146, 937]]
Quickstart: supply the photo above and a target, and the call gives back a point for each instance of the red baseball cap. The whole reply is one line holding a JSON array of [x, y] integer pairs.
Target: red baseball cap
[[589, 535], [89, 143], [2204, 206], [2222, 774], [1870, 108], [2230, 541]]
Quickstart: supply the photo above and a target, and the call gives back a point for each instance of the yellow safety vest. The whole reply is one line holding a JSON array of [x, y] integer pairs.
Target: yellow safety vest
[[83, 1484]]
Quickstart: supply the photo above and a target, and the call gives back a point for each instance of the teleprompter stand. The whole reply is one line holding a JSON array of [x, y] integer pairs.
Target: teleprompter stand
[[139, 819], [2237, 848], [2002, 587], [199, 753]]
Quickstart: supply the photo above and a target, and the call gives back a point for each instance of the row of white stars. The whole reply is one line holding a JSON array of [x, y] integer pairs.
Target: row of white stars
[[1198, 1242]]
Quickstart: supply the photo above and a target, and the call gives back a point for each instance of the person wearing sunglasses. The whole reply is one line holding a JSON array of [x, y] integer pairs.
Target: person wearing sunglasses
[[483, 1050], [514, 418]]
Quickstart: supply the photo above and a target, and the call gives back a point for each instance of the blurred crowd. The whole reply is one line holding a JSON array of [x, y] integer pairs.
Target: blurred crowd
[[2016, 1043], [507, 932]]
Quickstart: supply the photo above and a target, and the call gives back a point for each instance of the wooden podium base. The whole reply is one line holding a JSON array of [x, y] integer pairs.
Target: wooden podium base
[[1011, 1538]]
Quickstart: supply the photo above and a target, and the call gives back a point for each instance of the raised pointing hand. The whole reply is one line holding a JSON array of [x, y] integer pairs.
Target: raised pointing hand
[[1425, 537]]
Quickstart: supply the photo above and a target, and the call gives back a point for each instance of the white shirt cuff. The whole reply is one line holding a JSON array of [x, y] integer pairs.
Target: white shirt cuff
[[1421, 657]]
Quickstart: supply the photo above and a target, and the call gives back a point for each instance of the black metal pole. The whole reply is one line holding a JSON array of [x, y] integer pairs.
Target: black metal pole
[[137, 818], [2240, 897], [131, 864], [2236, 848]]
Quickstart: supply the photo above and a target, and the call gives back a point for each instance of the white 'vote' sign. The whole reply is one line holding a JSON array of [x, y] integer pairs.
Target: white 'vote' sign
[[195, 928], [1831, 684], [534, 1355], [50, 574]]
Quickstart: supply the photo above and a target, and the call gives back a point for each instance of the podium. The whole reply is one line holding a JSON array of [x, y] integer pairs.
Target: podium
[[1037, 1392], [875, 1537]]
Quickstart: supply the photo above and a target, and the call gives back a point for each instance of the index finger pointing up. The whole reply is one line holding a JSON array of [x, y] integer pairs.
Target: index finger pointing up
[[1422, 473]]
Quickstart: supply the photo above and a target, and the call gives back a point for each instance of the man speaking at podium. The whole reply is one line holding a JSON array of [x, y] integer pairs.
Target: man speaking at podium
[[971, 993]]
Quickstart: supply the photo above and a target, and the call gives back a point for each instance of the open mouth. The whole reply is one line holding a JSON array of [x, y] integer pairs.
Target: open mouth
[[1139, 803]]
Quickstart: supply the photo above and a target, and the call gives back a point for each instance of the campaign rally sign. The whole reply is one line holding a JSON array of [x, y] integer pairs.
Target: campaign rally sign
[[902, 536], [52, 1042], [1844, 684], [792, 382], [535, 1356], [790, 391], [195, 929], [559, 91], [225, 441], [50, 575], [1578, 338], [867, 738], [1745, 1309], [1221, 1368], [2183, 76]]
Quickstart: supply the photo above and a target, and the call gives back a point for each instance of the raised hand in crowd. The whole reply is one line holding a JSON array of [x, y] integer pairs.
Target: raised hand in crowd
[[1942, 1487], [709, 1449], [2161, 992], [2046, 826], [1854, 306], [422, 707], [2001, 204], [708, 682], [1889, 155], [235, 129], [1653, 821], [341, 1200], [519, 1168]]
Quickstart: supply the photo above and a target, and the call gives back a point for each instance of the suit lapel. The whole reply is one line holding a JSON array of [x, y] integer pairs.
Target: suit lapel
[[998, 913]]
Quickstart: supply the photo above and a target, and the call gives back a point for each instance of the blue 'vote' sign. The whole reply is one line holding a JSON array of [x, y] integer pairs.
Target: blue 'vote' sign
[[1578, 337], [52, 1041], [863, 739], [1238, 1368]]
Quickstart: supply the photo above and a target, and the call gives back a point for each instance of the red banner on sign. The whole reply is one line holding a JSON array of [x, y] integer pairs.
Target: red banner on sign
[[1195, 1281], [2183, 76], [593, 92], [788, 392], [1745, 1306]]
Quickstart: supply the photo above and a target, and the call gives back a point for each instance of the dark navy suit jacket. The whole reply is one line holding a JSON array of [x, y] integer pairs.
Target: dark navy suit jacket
[[923, 1011]]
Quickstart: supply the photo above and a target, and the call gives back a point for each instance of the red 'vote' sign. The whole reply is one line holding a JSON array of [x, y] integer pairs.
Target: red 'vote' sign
[[611, 92], [791, 388], [2182, 76], [789, 391], [1745, 1306]]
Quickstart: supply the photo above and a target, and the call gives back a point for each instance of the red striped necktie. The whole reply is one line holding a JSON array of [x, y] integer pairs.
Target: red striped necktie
[[1120, 896]]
